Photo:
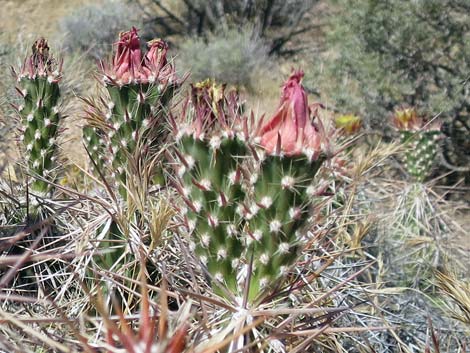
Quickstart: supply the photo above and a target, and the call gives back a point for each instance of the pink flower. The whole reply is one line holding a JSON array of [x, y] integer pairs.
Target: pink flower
[[127, 62], [290, 131], [130, 66]]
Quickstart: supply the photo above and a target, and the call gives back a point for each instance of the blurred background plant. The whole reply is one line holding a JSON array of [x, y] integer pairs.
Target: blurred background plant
[[93, 28], [276, 21], [382, 54], [207, 57]]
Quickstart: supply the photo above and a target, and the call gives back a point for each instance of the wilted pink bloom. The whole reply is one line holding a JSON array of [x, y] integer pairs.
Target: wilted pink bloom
[[157, 63], [127, 62], [41, 64], [130, 66], [290, 131]]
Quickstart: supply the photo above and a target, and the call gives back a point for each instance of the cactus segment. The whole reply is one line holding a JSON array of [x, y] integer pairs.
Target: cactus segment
[[135, 120], [420, 139], [38, 84], [130, 120], [210, 151], [214, 192], [421, 152], [276, 216]]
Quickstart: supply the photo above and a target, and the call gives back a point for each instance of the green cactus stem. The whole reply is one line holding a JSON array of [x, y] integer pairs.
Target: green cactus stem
[[38, 84], [421, 152], [210, 151], [277, 214], [420, 139], [295, 148], [212, 185], [132, 116]]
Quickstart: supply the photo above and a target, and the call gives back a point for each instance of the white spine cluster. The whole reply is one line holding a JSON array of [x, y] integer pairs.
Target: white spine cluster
[[264, 259], [266, 201], [287, 182], [275, 226]]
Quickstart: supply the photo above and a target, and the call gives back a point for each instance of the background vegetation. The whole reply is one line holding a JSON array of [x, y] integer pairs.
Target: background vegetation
[[391, 250]]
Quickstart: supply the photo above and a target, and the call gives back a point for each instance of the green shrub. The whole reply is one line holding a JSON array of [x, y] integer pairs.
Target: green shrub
[[387, 54], [276, 21], [93, 28], [229, 56]]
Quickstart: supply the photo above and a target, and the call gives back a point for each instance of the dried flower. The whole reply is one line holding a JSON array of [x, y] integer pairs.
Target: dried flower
[[211, 109], [291, 131], [407, 119], [129, 65], [41, 64]]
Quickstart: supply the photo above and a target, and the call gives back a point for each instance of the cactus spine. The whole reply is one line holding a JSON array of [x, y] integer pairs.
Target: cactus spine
[[38, 84]]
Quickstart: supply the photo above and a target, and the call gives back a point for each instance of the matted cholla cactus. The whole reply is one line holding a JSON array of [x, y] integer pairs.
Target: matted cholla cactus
[[248, 194], [420, 138], [38, 84], [131, 118]]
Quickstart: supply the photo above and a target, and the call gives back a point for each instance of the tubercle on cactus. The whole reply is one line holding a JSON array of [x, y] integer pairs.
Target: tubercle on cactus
[[38, 84]]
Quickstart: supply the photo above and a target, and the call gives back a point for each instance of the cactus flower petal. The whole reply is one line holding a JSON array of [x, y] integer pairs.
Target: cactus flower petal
[[349, 123], [291, 127], [41, 63], [127, 60]]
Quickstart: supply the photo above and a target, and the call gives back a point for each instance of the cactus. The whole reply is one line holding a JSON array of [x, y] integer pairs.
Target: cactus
[[233, 216], [132, 116], [38, 84], [124, 134], [210, 148], [419, 138], [283, 189]]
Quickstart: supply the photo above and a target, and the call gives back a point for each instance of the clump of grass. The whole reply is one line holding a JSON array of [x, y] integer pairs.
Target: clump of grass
[[458, 290]]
